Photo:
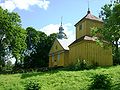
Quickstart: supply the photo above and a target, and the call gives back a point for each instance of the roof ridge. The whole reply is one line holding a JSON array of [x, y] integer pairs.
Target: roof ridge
[[91, 17]]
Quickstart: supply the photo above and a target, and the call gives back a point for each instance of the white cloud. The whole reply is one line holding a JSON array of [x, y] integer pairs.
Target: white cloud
[[54, 28], [24, 4]]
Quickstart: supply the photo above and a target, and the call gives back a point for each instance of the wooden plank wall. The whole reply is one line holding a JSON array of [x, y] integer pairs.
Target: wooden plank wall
[[91, 52]]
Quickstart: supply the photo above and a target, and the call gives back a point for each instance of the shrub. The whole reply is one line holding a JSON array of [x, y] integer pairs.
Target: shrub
[[100, 82], [32, 85], [79, 65]]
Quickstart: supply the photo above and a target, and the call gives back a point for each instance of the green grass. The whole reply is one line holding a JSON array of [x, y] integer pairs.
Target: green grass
[[59, 79]]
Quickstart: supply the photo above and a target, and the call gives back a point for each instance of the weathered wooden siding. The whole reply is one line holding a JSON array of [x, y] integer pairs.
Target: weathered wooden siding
[[50, 61], [56, 62], [66, 58], [61, 61], [91, 52]]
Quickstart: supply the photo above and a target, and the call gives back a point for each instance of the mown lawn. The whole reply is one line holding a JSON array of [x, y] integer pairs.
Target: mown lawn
[[59, 79]]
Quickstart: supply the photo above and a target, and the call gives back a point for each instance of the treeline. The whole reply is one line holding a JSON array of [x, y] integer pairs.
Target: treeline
[[29, 47]]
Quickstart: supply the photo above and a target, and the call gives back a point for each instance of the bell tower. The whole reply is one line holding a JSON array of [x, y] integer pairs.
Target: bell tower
[[83, 27], [61, 34]]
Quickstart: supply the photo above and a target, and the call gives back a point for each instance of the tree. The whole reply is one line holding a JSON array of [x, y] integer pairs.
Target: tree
[[32, 40], [39, 58], [111, 30], [18, 44], [15, 35], [32, 37], [41, 44]]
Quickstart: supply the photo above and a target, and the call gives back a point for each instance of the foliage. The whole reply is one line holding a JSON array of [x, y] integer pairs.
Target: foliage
[[32, 37], [32, 85], [79, 65], [41, 44], [17, 41], [18, 44], [15, 35], [59, 79], [8, 65], [111, 28], [100, 82]]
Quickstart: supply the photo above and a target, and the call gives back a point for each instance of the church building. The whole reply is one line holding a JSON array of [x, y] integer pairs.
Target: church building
[[84, 47]]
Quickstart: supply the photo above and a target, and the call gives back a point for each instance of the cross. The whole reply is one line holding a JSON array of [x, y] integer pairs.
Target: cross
[[88, 5], [61, 20]]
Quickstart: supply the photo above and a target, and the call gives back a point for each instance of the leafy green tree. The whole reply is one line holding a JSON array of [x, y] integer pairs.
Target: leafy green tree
[[15, 35], [32, 40], [18, 44], [111, 30], [50, 40], [32, 37], [41, 44], [40, 56], [43, 49]]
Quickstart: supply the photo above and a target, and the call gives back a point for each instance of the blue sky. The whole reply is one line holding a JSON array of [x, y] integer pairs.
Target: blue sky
[[45, 15]]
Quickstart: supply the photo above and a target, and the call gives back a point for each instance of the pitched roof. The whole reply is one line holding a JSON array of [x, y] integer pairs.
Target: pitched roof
[[86, 38], [64, 43], [91, 17]]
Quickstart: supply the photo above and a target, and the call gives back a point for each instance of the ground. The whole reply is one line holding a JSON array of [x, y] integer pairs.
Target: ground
[[59, 79]]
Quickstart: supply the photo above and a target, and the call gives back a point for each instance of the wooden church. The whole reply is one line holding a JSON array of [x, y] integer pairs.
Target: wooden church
[[63, 53]]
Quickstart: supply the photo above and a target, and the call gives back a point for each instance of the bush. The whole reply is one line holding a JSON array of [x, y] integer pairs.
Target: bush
[[79, 65], [100, 82], [32, 85]]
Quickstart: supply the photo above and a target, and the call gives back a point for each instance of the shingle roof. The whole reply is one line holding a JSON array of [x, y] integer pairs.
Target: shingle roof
[[91, 17], [64, 43], [86, 38]]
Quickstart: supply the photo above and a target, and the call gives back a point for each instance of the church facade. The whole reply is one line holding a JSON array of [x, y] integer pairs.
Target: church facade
[[84, 47]]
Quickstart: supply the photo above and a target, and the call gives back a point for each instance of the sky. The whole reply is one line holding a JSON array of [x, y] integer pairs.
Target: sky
[[45, 15]]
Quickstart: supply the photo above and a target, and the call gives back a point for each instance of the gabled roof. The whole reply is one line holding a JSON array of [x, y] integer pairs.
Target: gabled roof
[[64, 43], [86, 38], [91, 17]]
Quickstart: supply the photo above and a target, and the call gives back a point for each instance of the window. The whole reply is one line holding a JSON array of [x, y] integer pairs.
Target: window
[[80, 27], [52, 57], [58, 56]]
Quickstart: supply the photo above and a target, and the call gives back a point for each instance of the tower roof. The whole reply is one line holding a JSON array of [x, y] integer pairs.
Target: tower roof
[[61, 34], [90, 16], [85, 38]]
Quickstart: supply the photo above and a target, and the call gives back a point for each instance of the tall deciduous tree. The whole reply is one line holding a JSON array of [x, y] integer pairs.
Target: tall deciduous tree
[[42, 44], [15, 35], [32, 37]]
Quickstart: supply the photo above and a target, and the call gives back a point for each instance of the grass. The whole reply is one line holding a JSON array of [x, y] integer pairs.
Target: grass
[[59, 79]]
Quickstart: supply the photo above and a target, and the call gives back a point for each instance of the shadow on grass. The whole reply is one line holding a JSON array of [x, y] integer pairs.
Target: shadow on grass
[[74, 68], [116, 86], [55, 70], [32, 74]]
